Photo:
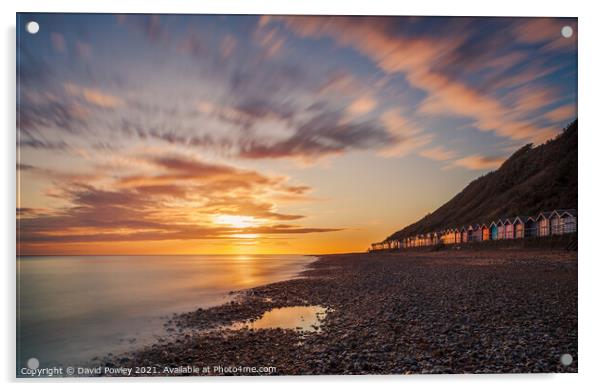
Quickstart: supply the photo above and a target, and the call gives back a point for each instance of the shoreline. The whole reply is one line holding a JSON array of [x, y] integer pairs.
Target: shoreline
[[466, 311]]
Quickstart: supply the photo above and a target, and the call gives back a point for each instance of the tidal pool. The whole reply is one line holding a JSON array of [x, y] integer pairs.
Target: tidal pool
[[300, 318]]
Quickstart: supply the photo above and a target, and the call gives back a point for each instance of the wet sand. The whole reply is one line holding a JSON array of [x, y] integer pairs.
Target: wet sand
[[491, 311]]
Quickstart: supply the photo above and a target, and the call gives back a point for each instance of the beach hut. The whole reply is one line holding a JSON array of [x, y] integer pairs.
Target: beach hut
[[501, 230], [555, 223], [493, 231], [485, 232], [530, 227], [458, 236], [445, 237], [509, 229], [469, 233], [519, 227], [477, 233], [543, 223], [568, 219], [463, 235], [450, 236]]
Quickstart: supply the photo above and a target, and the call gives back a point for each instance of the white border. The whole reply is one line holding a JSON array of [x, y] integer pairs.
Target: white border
[[590, 119]]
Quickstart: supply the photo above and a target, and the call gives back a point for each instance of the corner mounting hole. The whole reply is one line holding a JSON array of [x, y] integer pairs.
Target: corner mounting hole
[[567, 31], [32, 27], [566, 359], [33, 363]]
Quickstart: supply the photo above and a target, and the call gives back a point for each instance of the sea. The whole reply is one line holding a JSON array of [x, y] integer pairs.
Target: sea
[[74, 310]]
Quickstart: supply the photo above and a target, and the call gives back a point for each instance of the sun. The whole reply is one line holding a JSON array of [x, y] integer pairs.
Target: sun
[[235, 221]]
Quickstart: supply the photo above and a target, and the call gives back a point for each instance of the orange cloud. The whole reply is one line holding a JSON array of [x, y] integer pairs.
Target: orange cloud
[[362, 105], [181, 199], [438, 153], [532, 99], [562, 113], [406, 136], [270, 40], [94, 96], [545, 30], [417, 58], [479, 162]]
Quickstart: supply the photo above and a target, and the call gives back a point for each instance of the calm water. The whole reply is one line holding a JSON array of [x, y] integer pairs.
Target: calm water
[[73, 309], [302, 318]]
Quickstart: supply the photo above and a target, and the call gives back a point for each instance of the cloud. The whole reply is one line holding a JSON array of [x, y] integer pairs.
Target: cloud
[[24, 167], [479, 162], [323, 134], [362, 105], [405, 136], [178, 199], [438, 153], [420, 58], [38, 111], [94, 96], [545, 30], [246, 112], [270, 40], [562, 113], [340, 82], [533, 99], [451, 98]]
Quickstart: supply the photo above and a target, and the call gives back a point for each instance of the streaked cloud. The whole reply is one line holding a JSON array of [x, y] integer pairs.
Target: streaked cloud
[[324, 134], [94, 96], [438, 153], [179, 201], [362, 105], [420, 59], [479, 162], [406, 137], [562, 113]]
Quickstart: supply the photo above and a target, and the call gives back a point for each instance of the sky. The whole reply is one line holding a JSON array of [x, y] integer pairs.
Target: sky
[[249, 134]]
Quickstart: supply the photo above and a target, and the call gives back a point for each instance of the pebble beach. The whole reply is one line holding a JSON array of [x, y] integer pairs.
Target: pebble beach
[[466, 311]]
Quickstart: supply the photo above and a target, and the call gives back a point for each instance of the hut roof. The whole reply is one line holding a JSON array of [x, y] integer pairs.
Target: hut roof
[[522, 219], [562, 212], [545, 215]]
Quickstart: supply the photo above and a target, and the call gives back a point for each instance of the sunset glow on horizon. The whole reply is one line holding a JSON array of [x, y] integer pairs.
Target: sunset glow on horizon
[[218, 134]]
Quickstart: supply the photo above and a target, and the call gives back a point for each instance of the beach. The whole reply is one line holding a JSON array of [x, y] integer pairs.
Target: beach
[[451, 311]]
